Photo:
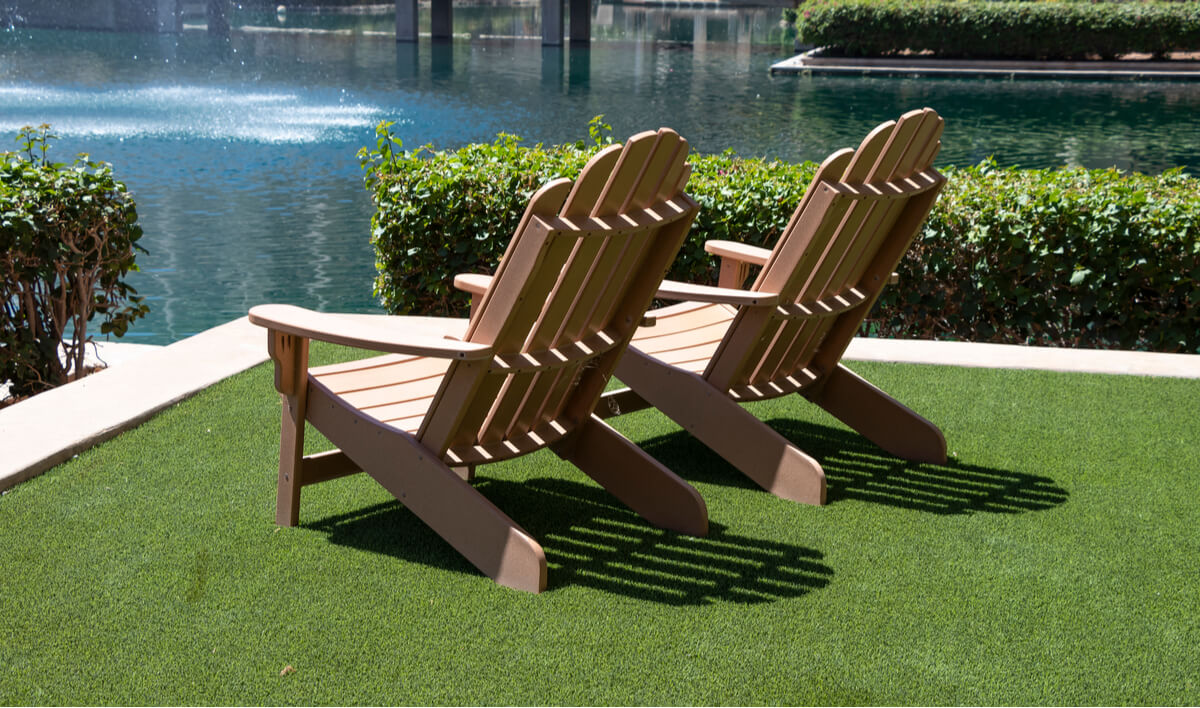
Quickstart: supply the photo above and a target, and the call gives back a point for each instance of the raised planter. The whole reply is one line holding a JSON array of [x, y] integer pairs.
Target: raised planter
[[817, 62]]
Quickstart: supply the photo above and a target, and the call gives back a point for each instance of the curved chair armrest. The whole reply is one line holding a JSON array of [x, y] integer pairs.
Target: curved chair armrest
[[742, 252], [675, 290], [474, 283], [354, 332]]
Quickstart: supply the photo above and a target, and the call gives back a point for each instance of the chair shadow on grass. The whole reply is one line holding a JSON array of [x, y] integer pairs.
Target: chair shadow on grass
[[857, 469], [592, 540]]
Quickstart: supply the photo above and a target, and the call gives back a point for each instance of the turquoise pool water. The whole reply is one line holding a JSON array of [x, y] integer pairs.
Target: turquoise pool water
[[241, 151]]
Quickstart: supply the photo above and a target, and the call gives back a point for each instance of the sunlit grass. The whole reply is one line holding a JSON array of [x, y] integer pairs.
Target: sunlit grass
[[1054, 559]]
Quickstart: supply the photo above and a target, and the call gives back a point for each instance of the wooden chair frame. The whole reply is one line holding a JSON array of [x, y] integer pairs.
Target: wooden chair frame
[[786, 334], [525, 372]]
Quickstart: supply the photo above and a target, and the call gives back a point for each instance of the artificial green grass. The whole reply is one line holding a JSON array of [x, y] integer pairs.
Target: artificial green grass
[[1054, 560]]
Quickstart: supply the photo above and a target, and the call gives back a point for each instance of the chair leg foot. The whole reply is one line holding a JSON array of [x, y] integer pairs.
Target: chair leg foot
[[744, 441], [880, 418], [637, 479]]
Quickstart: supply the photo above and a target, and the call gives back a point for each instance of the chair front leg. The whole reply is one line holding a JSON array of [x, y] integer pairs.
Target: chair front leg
[[290, 354]]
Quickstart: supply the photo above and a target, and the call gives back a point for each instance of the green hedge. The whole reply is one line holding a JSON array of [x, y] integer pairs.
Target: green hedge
[[68, 236], [1000, 30], [1064, 257]]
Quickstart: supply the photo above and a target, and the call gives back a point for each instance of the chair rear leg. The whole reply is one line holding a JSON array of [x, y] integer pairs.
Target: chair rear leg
[[880, 418], [637, 479], [744, 441]]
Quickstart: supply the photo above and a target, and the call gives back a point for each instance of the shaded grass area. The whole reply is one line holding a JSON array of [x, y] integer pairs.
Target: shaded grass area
[[1054, 559]]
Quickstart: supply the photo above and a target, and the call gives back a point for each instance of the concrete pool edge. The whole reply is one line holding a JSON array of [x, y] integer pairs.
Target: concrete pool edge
[[43, 431], [38, 433], [814, 62]]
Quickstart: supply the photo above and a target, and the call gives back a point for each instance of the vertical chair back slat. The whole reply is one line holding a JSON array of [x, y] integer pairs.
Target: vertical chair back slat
[[526, 402], [915, 133], [656, 159], [513, 389], [848, 232], [566, 277]]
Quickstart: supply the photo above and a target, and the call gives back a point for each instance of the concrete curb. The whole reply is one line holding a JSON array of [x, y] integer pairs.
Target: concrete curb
[[49, 428], [813, 62], [1011, 356]]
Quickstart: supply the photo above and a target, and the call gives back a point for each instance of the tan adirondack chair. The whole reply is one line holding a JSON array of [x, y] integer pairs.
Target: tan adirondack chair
[[524, 373], [787, 333]]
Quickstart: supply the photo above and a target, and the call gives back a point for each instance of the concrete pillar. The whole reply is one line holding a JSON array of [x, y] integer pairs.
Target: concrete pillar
[[552, 68], [217, 16], [581, 21], [579, 68], [699, 32], [170, 19], [441, 19], [552, 22], [408, 61], [441, 61], [406, 20]]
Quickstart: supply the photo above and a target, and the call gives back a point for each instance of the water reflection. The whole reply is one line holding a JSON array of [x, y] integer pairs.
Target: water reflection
[[241, 150]]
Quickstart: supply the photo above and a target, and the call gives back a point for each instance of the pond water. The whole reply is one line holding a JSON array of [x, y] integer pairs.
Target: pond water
[[241, 150]]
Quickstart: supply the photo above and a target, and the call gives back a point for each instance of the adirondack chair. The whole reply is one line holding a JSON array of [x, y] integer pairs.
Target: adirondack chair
[[787, 333], [524, 373]]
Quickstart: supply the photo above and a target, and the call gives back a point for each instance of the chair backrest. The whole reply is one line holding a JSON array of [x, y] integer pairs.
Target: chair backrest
[[853, 225], [566, 299]]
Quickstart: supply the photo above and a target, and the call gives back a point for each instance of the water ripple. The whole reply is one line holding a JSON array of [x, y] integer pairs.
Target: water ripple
[[190, 112]]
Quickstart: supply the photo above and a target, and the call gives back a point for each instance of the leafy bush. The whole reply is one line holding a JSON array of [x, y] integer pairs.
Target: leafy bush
[[1067, 257], [1000, 30], [67, 239], [439, 213], [1089, 258]]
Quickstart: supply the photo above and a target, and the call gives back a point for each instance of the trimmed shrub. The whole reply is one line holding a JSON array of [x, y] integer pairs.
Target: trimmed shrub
[[68, 234], [1072, 257], [439, 213], [1000, 30], [1065, 257]]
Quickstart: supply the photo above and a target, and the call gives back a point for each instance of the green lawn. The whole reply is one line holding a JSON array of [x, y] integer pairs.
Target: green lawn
[[1054, 560]]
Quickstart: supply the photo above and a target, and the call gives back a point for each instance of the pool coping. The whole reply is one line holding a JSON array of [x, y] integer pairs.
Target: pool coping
[[40, 432], [814, 62], [45, 430]]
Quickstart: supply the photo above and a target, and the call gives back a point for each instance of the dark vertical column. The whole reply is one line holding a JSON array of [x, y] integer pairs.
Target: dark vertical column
[[552, 22], [168, 16], [441, 62], [552, 69], [581, 21], [441, 25], [406, 20], [217, 16], [408, 61], [579, 68]]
